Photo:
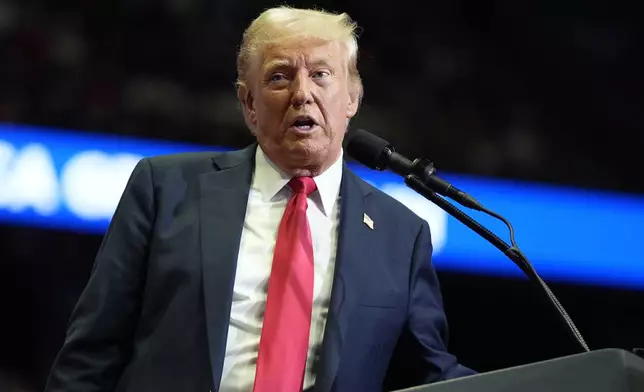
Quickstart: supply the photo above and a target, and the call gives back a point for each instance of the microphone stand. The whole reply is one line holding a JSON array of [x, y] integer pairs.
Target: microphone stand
[[512, 252]]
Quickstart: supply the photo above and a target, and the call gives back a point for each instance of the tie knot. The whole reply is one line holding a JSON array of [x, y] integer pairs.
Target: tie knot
[[304, 185]]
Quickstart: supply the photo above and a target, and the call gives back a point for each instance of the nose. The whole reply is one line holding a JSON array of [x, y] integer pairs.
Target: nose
[[302, 90]]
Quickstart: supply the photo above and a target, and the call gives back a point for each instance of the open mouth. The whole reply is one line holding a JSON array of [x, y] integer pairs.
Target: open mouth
[[304, 123]]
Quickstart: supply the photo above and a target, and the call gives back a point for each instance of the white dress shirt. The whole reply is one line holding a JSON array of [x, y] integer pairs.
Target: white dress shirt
[[266, 204]]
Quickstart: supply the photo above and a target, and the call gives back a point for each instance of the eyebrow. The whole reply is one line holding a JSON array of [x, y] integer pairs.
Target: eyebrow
[[287, 63]]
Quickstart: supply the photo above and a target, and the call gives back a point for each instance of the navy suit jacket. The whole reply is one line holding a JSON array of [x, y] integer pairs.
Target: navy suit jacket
[[154, 314]]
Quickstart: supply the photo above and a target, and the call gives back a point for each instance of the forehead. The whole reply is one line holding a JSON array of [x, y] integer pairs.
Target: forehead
[[302, 53]]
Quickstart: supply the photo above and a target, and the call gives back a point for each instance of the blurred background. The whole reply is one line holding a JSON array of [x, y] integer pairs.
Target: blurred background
[[545, 93]]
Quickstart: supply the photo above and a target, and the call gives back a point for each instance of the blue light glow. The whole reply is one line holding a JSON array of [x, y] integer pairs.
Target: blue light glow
[[72, 181]]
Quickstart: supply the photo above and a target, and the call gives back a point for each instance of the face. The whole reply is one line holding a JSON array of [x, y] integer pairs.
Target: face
[[299, 101]]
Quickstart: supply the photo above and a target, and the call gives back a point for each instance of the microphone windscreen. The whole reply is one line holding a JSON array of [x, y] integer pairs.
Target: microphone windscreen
[[367, 148]]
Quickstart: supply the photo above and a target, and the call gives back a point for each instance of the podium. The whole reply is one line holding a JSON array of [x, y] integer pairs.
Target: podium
[[608, 370]]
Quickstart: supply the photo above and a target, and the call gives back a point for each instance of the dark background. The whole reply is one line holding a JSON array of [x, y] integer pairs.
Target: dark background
[[547, 91]]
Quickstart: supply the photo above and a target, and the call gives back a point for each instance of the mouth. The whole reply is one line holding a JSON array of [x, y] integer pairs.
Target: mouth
[[303, 124]]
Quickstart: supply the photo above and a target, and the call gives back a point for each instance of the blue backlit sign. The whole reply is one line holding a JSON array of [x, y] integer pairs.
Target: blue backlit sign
[[73, 181]]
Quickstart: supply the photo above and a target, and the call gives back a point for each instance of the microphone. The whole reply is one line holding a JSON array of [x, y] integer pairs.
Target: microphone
[[379, 154]]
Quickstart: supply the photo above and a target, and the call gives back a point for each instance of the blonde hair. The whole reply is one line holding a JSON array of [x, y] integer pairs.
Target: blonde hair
[[283, 23]]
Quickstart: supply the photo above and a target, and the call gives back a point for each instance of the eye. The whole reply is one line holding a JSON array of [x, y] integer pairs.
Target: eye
[[277, 77], [321, 74]]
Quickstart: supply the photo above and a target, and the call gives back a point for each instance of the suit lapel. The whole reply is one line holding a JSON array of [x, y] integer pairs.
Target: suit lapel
[[223, 202], [349, 268]]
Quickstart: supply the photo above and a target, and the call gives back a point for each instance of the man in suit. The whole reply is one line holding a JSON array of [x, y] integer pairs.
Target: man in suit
[[273, 268]]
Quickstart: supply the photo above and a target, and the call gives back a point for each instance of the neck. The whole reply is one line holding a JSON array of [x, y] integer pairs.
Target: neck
[[303, 165]]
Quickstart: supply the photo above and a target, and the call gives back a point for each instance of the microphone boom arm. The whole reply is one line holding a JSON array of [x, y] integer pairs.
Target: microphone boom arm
[[379, 154], [512, 252]]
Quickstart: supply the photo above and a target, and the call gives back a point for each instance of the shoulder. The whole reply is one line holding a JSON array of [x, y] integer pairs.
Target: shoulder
[[185, 160], [196, 163]]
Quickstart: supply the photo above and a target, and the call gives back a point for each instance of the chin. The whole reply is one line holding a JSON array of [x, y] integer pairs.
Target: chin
[[301, 156], [308, 147], [304, 158]]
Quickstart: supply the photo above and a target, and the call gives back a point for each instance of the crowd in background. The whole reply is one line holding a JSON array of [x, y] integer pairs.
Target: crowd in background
[[541, 91]]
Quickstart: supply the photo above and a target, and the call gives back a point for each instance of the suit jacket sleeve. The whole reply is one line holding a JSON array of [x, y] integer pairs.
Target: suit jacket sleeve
[[101, 327], [421, 356]]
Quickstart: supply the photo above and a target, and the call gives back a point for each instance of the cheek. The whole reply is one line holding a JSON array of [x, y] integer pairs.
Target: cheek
[[271, 108], [336, 106]]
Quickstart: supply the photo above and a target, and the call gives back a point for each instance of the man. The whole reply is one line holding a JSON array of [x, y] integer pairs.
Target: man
[[273, 268]]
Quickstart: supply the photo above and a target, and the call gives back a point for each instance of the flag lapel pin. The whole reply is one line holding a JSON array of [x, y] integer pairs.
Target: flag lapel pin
[[367, 221]]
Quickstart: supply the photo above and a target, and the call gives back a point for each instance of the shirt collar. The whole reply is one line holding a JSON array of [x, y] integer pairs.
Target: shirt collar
[[269, 180]]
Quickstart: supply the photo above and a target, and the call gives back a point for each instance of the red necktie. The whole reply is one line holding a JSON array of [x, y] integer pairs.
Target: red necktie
[[284, 342]]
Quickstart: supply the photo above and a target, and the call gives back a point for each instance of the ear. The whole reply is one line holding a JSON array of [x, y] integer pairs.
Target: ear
[[355, 96], [248, 104]]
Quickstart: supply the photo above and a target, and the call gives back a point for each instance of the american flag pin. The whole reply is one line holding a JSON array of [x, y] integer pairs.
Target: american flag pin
[[368, 221]]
